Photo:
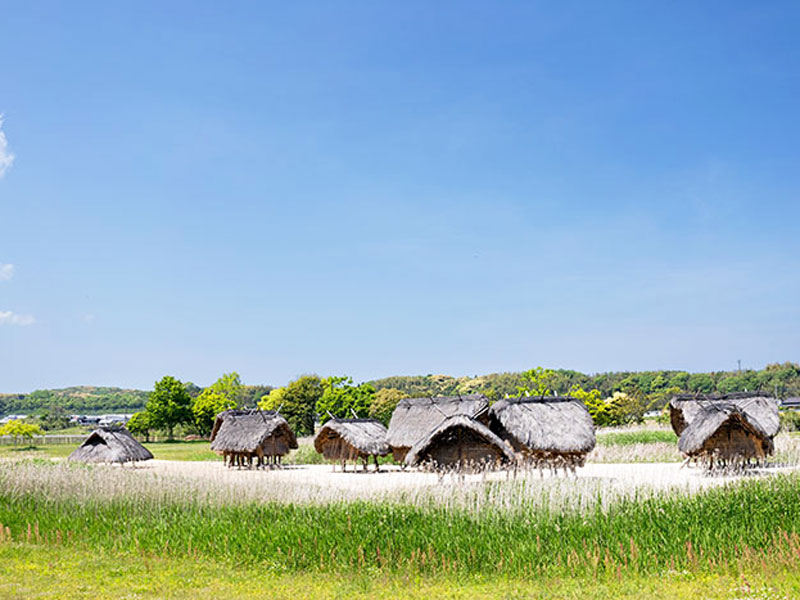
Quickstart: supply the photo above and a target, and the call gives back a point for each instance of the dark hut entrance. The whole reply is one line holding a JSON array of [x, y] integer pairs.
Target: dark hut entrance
[[460, 446], [736, 441]]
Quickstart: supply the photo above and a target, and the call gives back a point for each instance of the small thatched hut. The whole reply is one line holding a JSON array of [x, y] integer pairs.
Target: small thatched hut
[[110, 445], [414, 418], [459, 443], [341, 440], [545, 431], [728, 430], [242, 435]]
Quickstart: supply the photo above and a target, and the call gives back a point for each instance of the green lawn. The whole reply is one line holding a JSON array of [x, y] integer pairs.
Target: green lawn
[[29, 570], [161, 450], [642, 436]]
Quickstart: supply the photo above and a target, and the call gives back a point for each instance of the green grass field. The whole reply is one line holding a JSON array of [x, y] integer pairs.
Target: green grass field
[[48, 571], [161, 450], [642, 436]]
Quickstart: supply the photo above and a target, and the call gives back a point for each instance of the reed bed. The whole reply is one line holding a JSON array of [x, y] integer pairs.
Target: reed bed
[[187, 484], [515, 528]]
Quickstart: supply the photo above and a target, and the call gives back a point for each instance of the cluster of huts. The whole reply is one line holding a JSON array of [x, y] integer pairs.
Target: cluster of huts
[[468, 433]]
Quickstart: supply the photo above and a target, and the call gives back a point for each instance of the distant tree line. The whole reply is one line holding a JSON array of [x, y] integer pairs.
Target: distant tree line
[[612, 398], [656, 387], [97, 400]]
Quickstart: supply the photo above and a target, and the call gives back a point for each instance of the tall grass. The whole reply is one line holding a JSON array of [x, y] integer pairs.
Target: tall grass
[[513, 531]]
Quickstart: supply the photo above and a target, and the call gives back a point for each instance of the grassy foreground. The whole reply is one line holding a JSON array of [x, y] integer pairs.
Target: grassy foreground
[[51, 571], [515, 535]]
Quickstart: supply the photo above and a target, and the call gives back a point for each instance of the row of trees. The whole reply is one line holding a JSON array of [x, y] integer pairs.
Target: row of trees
[[170, 405], [649, 388], [619, 408], [612, 398], [302, 402], [310, 397]]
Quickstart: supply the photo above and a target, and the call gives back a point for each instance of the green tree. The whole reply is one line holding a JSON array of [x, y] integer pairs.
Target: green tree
[[384, 403], [595, 404], [680, 380], [207, 406], [618, 409], [297, 401], [169, 405], [139, 424], [273, 400], [19, 429], [230, 386], [342, 399], [226, 392], [537, 382], [701, 382]]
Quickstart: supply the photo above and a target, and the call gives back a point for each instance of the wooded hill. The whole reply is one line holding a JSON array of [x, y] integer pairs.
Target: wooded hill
[[782, 380], [88, 399]]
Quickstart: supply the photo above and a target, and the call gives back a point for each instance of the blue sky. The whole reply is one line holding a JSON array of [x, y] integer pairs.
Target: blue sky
[[376, 188]]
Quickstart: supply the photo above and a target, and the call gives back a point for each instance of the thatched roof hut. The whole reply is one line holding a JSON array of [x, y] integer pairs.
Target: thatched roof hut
[[545, 431], [241, 435], [110, 445], [731, 429], [413, 418], [352, 439], [462, 443]]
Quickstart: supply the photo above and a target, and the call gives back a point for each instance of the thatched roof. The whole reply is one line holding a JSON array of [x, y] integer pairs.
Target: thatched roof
[[110, 445], [758, 407], [548, 424], [367, 436], [696, 418], [448, 424], [414, 418], [245, 431]]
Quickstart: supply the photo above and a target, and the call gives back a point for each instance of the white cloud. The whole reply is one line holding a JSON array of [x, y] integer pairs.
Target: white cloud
[[11, 318], [6, 271], [6, 156]]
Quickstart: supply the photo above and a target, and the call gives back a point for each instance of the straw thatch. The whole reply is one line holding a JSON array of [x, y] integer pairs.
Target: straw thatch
[[728, 430], [413, 418], [460, 443], [110, 445], [242, 435], [545, 431], [352, 439]]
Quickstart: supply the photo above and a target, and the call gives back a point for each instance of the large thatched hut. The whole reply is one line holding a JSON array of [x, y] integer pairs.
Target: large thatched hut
[[340, 440], [460, 443], [243, 435], [725, 430], [414, 418], [545, 431], [110, 445]]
